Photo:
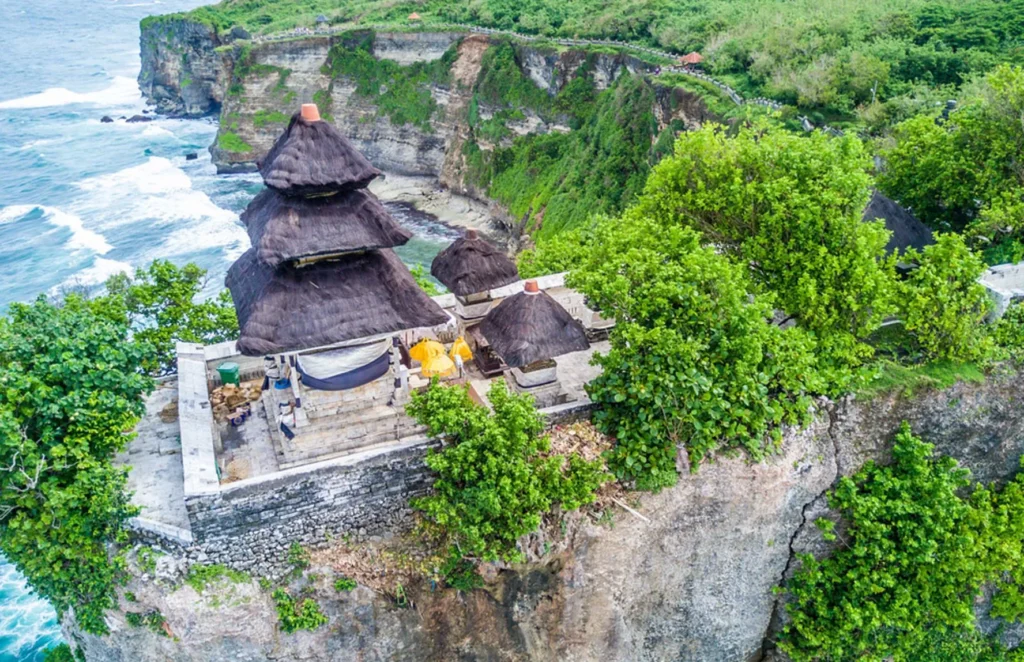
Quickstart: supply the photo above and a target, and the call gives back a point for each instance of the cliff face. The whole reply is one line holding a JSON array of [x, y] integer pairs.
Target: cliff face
[[258, 86], [692, 580], [183, 72]]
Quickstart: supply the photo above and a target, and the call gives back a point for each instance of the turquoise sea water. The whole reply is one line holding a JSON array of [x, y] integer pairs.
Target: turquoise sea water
[[81, 200]]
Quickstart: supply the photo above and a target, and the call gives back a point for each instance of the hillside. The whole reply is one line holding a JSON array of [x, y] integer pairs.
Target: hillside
[[873, 61]]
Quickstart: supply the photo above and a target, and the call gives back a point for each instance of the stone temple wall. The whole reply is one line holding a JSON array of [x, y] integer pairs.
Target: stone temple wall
[[249, 525]]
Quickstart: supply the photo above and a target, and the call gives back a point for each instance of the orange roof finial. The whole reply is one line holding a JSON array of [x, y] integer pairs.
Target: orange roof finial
[[310, 112], [471, 234], [531, 287]]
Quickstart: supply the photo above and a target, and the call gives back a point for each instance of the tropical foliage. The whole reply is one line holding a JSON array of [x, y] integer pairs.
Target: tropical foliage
[[162, 304], [942, 305], [914, 552], [695, 362], [790, 207], [964, 173], [71, 386], [495, 477]]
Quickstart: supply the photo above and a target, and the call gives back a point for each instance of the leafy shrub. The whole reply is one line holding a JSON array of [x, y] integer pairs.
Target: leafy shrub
[[1009, 331], [60, 653], [494, 480], [942, 305], [419, 274], [344, 584], [911, 561], [70, 385], [712, 373], [789, 207], [460, 573], [294, 616], [146, 559], [133, 619], [160, 303], [298, 557]]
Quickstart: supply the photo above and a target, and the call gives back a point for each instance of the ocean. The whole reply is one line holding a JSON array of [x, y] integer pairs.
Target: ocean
[[81, 200]]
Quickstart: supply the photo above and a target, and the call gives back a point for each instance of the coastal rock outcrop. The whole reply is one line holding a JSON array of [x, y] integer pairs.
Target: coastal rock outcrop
[[184, 71], [691, 578]]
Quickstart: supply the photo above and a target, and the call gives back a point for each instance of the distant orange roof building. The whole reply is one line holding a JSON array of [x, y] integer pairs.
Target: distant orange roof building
[[690, 58], [415, 17]]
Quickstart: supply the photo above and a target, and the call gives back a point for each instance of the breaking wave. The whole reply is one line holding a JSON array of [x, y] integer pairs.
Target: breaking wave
[[81, 238], [122, 90]]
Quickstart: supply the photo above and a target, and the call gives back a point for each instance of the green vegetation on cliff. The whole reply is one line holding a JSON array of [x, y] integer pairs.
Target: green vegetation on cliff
[[73, 374], [400, 93], [878, 60], [495, 475], [915, 547]]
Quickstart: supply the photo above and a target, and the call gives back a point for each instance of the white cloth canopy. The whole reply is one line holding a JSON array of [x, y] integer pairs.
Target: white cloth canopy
[[324, 365]]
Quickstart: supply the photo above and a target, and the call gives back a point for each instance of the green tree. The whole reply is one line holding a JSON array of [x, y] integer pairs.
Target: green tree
[[495, 477], [71, 385], [943, 306], [160, 304], [965, 172], [915, 552], [790, 207], [695, 362]]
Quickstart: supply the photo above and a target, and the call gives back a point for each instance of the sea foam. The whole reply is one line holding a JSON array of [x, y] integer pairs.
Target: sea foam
[[81, 237], [122, 90]]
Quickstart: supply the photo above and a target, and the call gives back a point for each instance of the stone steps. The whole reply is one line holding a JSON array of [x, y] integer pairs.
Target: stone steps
[[334, 436]]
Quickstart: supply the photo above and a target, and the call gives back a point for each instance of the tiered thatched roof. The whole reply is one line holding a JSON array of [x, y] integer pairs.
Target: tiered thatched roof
[[471, 265], [285, 228], [358, 296], [311, 157], [530, 327], [907, 231], [315, 213]]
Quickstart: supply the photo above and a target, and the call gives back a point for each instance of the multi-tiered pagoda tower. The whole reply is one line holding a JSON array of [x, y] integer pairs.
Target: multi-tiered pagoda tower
[[321, 290]]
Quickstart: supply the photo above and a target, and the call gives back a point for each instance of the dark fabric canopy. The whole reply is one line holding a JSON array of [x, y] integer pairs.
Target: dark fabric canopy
[[311, 158], [284, 228], [356, 296], [907, 231], [471, 265], [526, 328]]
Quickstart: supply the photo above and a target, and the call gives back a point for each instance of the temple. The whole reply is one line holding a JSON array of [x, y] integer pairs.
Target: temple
[[322, 296]]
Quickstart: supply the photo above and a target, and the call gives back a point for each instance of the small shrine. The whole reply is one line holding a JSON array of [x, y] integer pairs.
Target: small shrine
[[470, 268], [528, 331]]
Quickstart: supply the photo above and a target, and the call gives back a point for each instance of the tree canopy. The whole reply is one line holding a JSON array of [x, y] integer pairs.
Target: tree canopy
[[71, 388], [965, 173], [789, 207], [695, 363]]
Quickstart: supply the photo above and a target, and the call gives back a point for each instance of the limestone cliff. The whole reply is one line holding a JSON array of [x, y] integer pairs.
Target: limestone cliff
[[189, 70], [692, 580], [185, 70]]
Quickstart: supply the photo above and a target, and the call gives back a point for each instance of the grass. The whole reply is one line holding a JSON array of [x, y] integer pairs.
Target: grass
[[201, 577], [265, 117], [892, 377], [230, 141]]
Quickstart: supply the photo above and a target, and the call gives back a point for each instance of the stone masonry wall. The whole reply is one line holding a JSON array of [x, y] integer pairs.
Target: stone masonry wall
[[251, 524]]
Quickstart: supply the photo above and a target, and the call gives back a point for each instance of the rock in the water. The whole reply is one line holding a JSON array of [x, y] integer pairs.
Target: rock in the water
[[139, 118], [191, 156], [106, 119]]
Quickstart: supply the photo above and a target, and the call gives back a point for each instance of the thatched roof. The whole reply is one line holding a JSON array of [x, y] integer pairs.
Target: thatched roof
[[311, 157], [327, 302], [530, 327], [284, 228], [907, 231], [471, 265]]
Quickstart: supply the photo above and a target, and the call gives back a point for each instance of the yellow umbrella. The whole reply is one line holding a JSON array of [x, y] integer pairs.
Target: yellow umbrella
[[438, 365], [425, 349], [460, 348]]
